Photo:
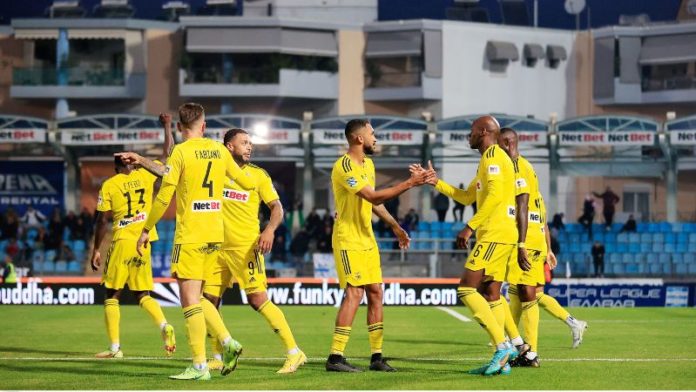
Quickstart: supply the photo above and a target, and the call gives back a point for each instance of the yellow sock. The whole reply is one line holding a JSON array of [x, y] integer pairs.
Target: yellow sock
[[213, 321], [530, 322], [482, 313], [276, 319], [215, 345], [375, 333], [195, 328], [340, 339], [152, 307], [112, 316], [498, 312], [515, 306], [510, 324], [552, 306]]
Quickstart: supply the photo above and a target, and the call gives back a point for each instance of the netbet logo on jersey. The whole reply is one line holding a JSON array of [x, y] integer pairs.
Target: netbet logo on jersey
[[239, 196], [206, 206], [129, 221]]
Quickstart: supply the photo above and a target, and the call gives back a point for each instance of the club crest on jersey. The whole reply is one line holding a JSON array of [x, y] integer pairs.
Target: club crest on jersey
[[231, 194], [167, 169], [521, 183], [99, 200], [352, 182], [129, 221], [493, 169], [206, 205]]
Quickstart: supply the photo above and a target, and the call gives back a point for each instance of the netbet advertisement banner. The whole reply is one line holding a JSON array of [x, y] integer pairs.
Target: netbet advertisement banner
[[682, 138], [91, 137], [40, 184], [22, 135], [605, 293], [271, 136], [388, 137], [618, 138], [457, 137]]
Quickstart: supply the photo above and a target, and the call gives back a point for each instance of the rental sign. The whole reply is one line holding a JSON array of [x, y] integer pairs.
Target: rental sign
[[85, 137], [618, 138], [389, 137]]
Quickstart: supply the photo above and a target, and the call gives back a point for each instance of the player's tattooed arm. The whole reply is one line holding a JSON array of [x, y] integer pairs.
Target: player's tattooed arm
[[166, 120], [131, 158]]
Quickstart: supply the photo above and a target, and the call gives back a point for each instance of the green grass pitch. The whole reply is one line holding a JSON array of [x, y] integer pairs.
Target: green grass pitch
[[51, 348]]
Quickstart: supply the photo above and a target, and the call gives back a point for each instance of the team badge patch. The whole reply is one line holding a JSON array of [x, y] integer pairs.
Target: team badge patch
[[352, 182], [521, 183], [493, 169], [167, 169]]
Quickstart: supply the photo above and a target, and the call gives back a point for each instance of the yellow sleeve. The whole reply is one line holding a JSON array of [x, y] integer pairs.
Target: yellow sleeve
[[159, 206], [521, 175], [493, 177], [349, 178], [175, 166], [267, 191], [104, 199], [234, 172], [464, 196]]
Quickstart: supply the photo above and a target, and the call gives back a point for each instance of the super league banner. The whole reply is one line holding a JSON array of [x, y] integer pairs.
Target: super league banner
[[606, 293], [40, 184]]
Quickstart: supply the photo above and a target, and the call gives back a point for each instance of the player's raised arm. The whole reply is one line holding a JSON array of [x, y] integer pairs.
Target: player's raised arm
[[166, 120], [132, 158], [399, 232]]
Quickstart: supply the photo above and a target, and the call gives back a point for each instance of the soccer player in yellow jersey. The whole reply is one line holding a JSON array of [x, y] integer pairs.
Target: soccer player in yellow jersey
[[493, 190], [127, 198], [243, 248], [196, 170], [355, 249], [527, 276]]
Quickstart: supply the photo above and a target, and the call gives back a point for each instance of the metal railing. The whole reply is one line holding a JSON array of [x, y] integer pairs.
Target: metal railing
[[78, 76], [393, 79], [260, 75]]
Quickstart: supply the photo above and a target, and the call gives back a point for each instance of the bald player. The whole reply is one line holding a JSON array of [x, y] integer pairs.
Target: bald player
[[526, 277], [493, 189]]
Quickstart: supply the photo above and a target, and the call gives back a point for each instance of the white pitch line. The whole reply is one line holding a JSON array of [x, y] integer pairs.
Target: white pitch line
[[322, 359], [455, 314]]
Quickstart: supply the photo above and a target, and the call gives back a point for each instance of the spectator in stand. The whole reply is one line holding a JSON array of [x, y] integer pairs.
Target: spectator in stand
[[609, 200], [392, 206], [65, 253], [598, 259], [79, 230], [40, 240], [557, 221], [313, 223], [328, 220], [588, 213], [458, 207], [298, 248], [324, 240], [12, 249], [70, 220], [630, 225], [88, 218], [32, 218], [55, 232], [10, 225], [441, 206], [9, 274], [410, 221]]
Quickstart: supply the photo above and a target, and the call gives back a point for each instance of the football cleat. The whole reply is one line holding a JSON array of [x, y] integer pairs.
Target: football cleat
[[578, 329], [341, 365], [169, 339], [498, 361], [293, 362], [381, 365], [230, 356], [191, 373], [109, 354], [506, 370]]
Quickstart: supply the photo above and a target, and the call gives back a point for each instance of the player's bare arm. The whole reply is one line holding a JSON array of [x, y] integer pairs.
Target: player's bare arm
[[550, 256], [132, 158], [101, 222], [378, 197], [268, 234], [166, 120], [522, 217], [399, 232]]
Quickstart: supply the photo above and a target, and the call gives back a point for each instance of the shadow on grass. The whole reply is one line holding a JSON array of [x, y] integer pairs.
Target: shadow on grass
[[437, 341], [27, 350]]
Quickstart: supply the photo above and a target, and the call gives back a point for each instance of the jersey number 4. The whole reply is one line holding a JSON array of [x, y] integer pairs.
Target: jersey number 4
[[207, 183]]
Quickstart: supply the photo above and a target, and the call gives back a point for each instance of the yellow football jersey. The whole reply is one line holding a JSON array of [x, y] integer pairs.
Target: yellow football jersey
[[494, 220], [353, 224], [241, 207], [129, 198], [526, 182], [198, 168]]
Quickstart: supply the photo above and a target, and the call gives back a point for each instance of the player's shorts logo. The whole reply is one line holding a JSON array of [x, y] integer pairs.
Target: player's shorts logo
[[352, 182], [206, 206]]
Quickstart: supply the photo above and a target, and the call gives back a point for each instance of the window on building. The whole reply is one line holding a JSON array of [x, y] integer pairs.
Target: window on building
[[681, 76], [637, 202], [402, 71]]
